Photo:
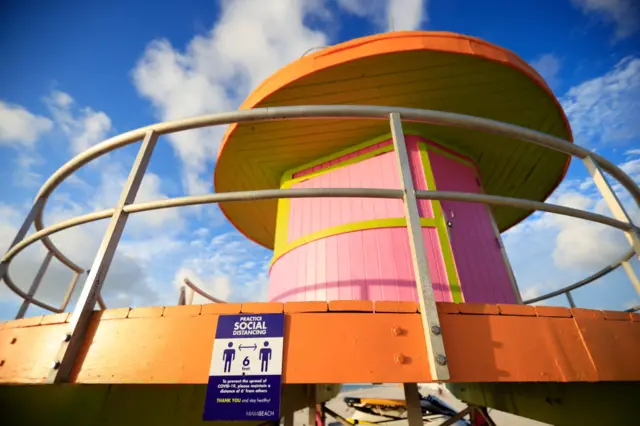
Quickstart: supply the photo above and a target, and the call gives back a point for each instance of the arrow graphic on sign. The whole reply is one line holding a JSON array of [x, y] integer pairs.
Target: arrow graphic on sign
[[254, 347]]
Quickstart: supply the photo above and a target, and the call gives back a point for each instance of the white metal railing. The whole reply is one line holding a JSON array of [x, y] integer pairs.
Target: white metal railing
[[90, 294]]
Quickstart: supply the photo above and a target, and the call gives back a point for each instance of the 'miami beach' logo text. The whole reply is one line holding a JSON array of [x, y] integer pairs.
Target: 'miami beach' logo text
[[250, 326]]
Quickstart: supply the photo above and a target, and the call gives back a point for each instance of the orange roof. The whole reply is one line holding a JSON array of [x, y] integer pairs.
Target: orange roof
[[429, 70]]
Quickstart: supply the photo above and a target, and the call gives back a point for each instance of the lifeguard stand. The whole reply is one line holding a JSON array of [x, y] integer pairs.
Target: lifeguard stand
[[385, 223]]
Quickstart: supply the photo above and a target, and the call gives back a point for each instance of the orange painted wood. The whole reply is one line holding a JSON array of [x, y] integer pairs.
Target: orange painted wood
[[150, 312], [387, 306], [262, 308], [300, 307], [117, 313], [182, 311], [518, 310], [446, 308], [553, 311], [221, 309], [176, 348], [617, 315], [55, 318], [24, 322], [478, 309], [351, 306]]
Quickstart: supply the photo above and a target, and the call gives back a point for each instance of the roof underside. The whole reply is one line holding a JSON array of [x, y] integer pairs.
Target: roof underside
[[255, 155]]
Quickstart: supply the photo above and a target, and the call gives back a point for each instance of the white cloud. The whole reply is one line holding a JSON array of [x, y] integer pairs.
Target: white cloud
[[228, 267], [604, 110], [83, 126], [389, 15], [19, 126], [623, 14], [217, 70], [548, 66]]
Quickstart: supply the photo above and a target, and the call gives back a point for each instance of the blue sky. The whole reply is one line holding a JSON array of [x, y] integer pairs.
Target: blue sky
[[78, 72]]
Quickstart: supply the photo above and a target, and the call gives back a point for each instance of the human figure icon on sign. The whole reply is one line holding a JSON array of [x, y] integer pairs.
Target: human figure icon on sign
[[265, 356], [227, 356]]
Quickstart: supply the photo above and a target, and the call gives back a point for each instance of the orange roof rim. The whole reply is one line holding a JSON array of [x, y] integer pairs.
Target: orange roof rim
[[386, 43]]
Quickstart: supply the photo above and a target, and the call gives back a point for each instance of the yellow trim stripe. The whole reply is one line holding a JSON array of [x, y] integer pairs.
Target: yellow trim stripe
[[425, 222], [441, 226]]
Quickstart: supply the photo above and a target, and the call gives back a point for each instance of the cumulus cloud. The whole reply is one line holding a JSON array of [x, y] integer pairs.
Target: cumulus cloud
[[604, 110], [389, 15], [624, 15], [83, 126], [21, 127], [216, 71], [548, 66]]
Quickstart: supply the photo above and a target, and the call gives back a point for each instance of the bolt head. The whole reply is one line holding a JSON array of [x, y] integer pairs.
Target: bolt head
[[66, 337], [397, 331], [435, 329], [441, 359], [55, 365], [399, 359]]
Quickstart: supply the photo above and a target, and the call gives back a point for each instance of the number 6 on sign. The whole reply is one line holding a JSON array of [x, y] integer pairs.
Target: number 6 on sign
[[246, 361]]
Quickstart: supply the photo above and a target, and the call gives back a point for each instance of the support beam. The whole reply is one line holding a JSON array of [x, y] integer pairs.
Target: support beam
[[22, 232], [311, 393], [65, 358], [34, 285], [429, 313], [70, 289], [612, 201], [414, 411], [632, 275]]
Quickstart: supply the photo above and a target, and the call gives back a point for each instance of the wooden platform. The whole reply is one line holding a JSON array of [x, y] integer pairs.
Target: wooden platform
[[338, 342]]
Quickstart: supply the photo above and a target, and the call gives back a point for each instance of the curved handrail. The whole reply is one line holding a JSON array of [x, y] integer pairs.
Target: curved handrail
[[591, 278], [304, 112], [201, 292]]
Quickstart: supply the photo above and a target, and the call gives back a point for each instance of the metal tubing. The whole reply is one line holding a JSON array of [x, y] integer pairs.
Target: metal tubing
[[459, 416], [22, 232], [601, 273], [201, 292], [34, 285], [66, 356], [570, 299], [610, 197], [101, 303], [412, 397], [182, 297], [426, 298], [323, 111], [70, 289], [632, 276], [25, 296]]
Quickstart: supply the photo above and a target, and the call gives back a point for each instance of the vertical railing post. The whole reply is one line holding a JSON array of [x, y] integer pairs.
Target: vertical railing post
[[428, 309], [414, 410], [632, 275], [22, 232], [70, 289], [570, 299], [612, 201], [66, 355], [34, 285]]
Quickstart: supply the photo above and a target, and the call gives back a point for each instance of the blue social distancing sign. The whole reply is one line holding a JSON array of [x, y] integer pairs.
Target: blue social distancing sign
[[245, 377]]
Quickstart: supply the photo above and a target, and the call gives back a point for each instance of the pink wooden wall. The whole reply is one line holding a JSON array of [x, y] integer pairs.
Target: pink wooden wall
[[481, 269], [375, 264], [372, 264]]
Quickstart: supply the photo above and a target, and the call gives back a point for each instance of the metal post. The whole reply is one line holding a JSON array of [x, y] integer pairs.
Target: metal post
[[570, 299], [70, 289], [22, 232], [632, 275], [612, 201], [182, 297], [505, 258], [428, 309], [77, 327], [34, 285], [311, 393], [412, 397], [452, 420]]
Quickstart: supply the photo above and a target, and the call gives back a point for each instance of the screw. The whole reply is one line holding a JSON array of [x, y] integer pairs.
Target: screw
[[67, 337], [399, 359], [13, 341], [435, 329], [441, 359], [397, 331], [56, 365]]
